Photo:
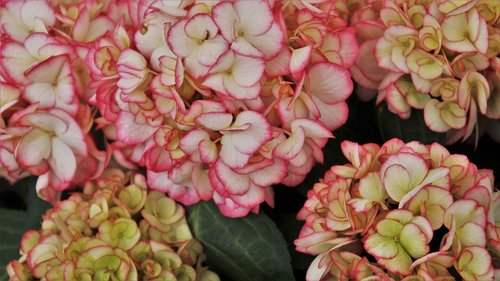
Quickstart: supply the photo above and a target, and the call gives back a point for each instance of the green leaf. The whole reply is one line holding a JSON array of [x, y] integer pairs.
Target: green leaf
[[14, 223], [249, 248], [3, 275], [411, 129]]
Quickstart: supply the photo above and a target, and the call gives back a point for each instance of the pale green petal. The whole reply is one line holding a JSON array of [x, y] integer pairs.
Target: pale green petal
[[399, 264], [389, 227], [381, 246], [471, 234], [403, 216], [413, 240]]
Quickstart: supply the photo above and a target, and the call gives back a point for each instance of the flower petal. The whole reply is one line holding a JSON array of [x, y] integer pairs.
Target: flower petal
[[62, 160]]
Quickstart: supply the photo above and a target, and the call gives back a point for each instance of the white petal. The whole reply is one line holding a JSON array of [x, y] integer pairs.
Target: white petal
[[255, 16], [62, 160], [33, 148]]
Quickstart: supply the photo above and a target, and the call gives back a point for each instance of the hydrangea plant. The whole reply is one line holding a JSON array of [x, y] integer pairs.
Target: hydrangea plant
[[116, 229], [217, 100], [220, 100], [401, 211], [437, 56]]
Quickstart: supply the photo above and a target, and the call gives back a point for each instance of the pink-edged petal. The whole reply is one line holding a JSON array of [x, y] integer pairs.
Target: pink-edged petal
[[312, 129], [328, 90], [481, 195], [255, 17], [208, 151], [179, 42], [475, 263], [332, 121], [247, 71], [62, 160], [425, 226], [399, 264], [215, 82], [200, 27], [252, 198], [465, 211], [130, 132], [242, 47], [229, 208], [189, 142], [279, 65], [72, 134], [215, 120], [208, 53], [432, 117], [245, 136], [360, 205], [300, 58], [381, 246], [292, 146], [272, 174], [371, 187], [269, 43], [224, 62], [396, 181], [132, 69], [342, 47], [33, 148], [318, 267], [202, 185], [181, 193], [401, 215], [53, 85], [49, 70], [45, 121], [234, 90], [226, 18], [233, 182], [436, 177], [389, 227], [30, 16], [414, 241], [414, 164], [471, 234], [15, 60], [157, 181]]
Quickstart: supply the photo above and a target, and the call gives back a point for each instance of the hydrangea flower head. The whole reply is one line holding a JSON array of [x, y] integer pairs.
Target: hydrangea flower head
[[115, 230], [401, 211]]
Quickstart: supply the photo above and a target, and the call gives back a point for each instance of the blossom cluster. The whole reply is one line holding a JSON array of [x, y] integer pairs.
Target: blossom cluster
[[115, 230], [215, 99], [401, 211], [437, 56]]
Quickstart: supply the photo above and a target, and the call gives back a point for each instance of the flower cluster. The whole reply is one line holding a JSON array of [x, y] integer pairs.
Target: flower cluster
[[115, 230], [215, 99], [437, 56], [415, 209], [46, 111]]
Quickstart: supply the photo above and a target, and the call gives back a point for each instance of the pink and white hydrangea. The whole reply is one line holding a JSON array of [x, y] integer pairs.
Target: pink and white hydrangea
[[217, 100], [437, 56], [416, 209]]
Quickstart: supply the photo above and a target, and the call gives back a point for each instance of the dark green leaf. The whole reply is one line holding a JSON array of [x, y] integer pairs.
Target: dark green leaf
[[249, 248], [3, 275], [411, 129]]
